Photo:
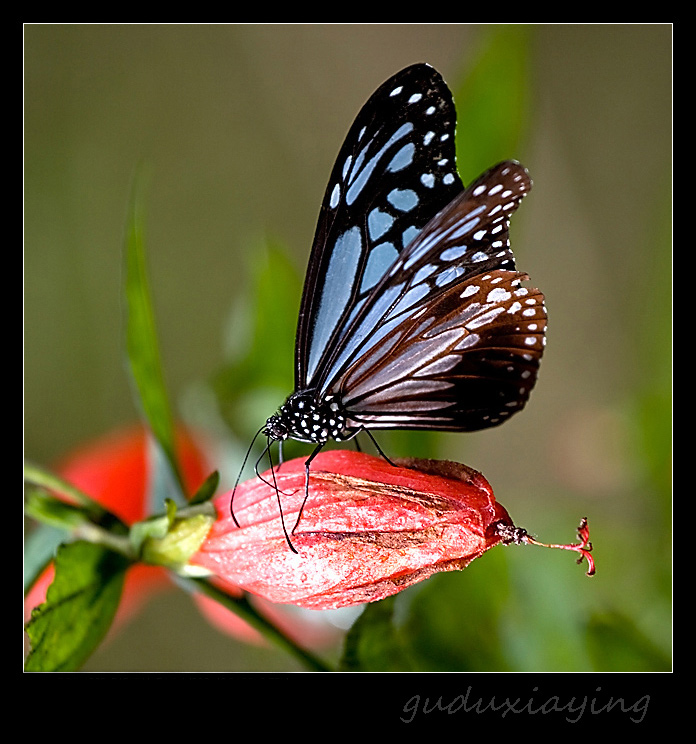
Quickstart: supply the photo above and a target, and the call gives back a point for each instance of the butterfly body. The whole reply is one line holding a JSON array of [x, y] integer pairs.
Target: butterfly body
[[308, 418], [413, 314]]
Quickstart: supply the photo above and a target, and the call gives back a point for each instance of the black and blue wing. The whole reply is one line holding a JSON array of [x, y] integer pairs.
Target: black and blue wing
[[467, 360], [396, 170], [450, 339]]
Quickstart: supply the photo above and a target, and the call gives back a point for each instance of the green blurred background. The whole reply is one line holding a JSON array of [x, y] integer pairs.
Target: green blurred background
[[238, 126]]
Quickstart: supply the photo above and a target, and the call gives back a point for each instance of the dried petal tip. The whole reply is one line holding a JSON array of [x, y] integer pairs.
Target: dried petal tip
[[517, 535]]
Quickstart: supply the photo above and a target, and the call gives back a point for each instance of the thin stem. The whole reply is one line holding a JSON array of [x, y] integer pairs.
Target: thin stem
[[95, 534], [242, 607], [584, 547], [520, 536]]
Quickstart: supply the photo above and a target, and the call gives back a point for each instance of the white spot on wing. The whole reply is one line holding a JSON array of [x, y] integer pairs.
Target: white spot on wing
[[499, 294]]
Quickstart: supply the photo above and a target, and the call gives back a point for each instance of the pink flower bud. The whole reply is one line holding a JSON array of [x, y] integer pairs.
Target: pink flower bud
[[368, 530]]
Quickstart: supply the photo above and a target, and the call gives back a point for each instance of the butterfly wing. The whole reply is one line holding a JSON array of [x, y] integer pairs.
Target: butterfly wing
[[449, 339], [395, 171], [462, 243], [465, 361]]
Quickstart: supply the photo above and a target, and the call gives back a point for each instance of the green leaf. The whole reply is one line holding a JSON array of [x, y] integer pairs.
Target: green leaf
[[40, 546], [207, 489], [493, 101], [80, 606], [46, 508], [36, 475], [141, 338], [373, 643]]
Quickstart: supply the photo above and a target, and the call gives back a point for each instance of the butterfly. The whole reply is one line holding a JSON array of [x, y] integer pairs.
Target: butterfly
[[413, 315]]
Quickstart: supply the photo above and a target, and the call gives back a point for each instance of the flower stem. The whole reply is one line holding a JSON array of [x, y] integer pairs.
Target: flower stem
[[242, 607]]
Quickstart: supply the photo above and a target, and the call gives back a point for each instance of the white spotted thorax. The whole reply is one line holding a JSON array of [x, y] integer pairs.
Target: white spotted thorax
[[302, 418]]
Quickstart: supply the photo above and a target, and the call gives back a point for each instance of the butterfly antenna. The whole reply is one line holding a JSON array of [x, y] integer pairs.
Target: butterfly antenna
[[308, 462], [241, 470], [260, 476]]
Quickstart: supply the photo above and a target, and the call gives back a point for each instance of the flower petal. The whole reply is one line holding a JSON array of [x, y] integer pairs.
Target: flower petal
[[368, 530]]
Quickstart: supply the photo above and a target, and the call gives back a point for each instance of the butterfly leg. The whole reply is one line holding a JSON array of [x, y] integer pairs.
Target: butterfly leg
[[374, 441], [280, 505], [308, 462]]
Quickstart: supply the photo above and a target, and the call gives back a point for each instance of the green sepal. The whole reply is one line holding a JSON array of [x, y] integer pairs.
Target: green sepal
[[170, 540], [182, 540], [206, 490]]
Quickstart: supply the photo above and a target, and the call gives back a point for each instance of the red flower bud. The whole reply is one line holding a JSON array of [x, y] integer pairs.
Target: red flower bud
[[368, 530]]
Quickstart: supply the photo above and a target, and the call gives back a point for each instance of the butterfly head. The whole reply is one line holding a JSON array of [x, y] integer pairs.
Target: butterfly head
[[276, 427]]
